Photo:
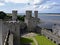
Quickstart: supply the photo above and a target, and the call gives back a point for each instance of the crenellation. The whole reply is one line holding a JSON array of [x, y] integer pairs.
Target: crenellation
[[28, 14]]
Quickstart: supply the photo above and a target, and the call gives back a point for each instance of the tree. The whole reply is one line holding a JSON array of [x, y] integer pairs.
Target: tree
[[2, 15], [21, 18]]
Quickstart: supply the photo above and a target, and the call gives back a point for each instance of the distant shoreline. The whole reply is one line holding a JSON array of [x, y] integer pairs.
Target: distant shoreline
[[49, 15]]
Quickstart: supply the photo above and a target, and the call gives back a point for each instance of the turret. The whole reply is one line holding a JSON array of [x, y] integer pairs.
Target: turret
[[28, 14], [14, 15], [36, 14]]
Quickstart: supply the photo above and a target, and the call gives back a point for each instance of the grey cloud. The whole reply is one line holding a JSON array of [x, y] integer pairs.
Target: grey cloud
[[44, 1], [51, 5], [40, 3], [37, 6], [56, 5]]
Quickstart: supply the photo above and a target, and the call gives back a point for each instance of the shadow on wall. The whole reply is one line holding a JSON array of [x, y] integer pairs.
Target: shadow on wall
[[23, 28]]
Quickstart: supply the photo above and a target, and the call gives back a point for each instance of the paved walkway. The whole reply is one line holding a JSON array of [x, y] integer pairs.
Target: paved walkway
[[36, 43], [32, 36]]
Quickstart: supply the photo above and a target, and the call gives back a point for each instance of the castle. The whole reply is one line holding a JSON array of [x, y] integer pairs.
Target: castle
[[10, 31], [31, 21]]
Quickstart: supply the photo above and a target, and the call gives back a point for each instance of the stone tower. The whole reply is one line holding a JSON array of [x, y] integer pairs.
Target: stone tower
[[31, 21], [1, 38], [28, 14], [14, 15], [16, 33], [14, 27], [36, 14]]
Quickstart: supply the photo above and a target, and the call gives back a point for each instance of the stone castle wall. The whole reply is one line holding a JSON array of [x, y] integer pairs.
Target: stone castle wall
[[51, 36], [14, 26]]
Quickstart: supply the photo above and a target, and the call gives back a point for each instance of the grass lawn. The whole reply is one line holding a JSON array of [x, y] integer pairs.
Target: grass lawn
[[43, 40], [27, 40]]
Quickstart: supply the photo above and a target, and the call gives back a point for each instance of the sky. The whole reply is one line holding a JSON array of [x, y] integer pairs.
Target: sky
[[42, 6]]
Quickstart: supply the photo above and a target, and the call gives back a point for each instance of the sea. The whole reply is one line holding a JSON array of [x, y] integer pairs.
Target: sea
[[47, 20]]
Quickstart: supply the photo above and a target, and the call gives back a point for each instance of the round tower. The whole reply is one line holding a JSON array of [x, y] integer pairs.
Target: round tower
[[28, 14], [14, 15], [36, 14]]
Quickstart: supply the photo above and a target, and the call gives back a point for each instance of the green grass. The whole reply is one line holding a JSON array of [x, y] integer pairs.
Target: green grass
[[26, 40], [43, 40]]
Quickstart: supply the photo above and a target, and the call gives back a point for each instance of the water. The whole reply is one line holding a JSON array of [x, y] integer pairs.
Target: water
[[53, 18], [49, 20]]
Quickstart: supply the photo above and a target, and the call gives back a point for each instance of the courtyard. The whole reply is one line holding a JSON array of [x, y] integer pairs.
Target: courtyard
[[35, 39]]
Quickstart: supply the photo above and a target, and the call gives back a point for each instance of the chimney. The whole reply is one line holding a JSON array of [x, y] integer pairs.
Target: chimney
[[28, 14], [36, 14], [14, 15]]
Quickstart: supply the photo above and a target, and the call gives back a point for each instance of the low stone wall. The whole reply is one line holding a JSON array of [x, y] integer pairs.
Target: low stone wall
[[51, 36]]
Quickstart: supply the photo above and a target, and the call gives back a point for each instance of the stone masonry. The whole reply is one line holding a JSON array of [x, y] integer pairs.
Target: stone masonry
[[31, 21], [51, 36], [13, 26]]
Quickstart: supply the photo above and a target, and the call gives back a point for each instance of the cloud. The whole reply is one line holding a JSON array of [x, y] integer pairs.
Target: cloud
[[39, 5], [35, 2], [39, 2], [17, 1], [28, 8], [47, 5], [56, 4], [1, 4]]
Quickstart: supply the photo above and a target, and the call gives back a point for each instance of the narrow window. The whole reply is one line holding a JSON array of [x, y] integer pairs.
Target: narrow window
[[51, 39], [54, 41], [58, 44], [48, 37]]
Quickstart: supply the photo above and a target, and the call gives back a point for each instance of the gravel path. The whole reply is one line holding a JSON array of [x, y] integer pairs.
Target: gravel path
[[36, 43], [32, 36]]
